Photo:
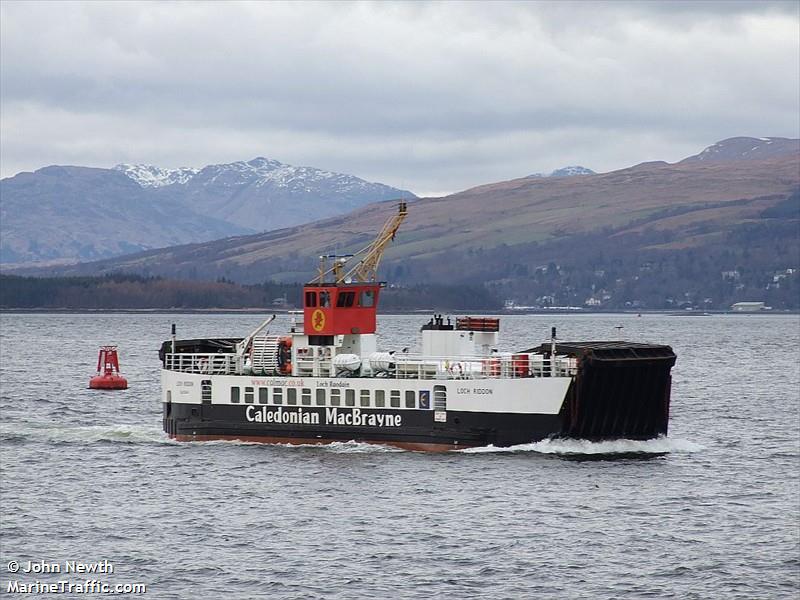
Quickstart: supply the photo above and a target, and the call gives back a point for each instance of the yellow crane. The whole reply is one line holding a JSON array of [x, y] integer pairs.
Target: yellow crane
[[367, 267]]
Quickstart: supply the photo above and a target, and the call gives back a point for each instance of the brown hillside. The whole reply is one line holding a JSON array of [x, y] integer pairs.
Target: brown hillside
[[679, 198]]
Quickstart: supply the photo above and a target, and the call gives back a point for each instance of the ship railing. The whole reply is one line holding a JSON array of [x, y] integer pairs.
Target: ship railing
[[204, 364], [313, 367], [496, 366]]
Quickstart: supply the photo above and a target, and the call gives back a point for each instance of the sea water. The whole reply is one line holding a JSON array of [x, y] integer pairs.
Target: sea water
[[710, 511]]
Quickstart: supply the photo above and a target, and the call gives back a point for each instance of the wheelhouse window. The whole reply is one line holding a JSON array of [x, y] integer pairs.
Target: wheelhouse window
[[411, 399], [235, 395], [345, 299], [349, 397], [325, 299], [277, 395], [394, 398], [367, 298], [311, 299]]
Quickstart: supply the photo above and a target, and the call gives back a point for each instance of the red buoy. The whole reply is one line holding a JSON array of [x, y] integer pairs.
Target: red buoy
[[108, 377]]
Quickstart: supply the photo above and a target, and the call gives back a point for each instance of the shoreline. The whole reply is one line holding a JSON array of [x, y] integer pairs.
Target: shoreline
[[418, 311]]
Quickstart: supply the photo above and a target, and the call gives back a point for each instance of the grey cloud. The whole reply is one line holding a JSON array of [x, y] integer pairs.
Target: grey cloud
[[436, 96]]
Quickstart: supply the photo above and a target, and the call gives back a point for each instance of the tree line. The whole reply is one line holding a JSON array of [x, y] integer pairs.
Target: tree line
[[128, 291]]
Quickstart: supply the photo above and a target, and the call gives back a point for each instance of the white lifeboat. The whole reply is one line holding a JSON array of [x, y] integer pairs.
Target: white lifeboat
[[347, 362], [380, 362]]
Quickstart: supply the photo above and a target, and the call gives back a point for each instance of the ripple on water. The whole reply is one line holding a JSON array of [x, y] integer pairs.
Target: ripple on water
[[709, 511]]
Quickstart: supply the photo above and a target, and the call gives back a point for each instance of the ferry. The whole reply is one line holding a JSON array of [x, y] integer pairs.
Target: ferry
[[325, 379]]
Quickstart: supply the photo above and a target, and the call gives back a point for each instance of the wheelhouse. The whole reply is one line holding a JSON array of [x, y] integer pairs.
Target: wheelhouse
[[340, 309]]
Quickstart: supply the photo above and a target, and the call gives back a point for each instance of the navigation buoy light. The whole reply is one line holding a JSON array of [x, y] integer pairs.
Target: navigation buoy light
[[108, 377]]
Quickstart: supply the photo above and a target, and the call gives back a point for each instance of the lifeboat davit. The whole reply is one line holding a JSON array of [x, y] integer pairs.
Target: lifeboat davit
[[108, 377]]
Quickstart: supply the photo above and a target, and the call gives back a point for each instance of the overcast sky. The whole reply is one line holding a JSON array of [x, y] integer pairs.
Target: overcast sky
[[433, 97]]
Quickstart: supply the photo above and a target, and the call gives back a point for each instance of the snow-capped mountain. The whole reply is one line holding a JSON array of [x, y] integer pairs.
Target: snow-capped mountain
[[80, 213], [262, 172], [747, 148], [570, 171], [259, 172], [265, 194], [150, 176]]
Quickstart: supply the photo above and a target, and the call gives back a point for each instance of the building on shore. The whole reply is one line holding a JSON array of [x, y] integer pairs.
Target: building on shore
[[749, 307]]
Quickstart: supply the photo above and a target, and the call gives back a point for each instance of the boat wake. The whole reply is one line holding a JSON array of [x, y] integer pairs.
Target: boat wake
[[353, 447], [138, 434], [661, 445], [564, 447], [87, 434]]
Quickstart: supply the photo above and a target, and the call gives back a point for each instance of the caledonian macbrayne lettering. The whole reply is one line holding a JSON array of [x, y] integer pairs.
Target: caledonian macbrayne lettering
[[333, 416]]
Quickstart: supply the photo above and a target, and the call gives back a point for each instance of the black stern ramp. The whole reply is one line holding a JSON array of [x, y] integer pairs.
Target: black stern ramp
[[620, 390]]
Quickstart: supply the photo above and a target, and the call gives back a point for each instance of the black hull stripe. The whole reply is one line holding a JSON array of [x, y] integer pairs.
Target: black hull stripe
[[418, 429]]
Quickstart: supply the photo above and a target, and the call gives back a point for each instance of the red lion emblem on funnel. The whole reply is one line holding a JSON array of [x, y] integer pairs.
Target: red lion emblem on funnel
[[318, 320]]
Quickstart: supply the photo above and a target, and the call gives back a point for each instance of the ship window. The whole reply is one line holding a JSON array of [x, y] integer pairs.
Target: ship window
[[411, 399], [336, 397], [235, 395], [169, 396], [262, 395], [305, 397], [367, 298], [364, 398], [277, 395], [380, 398], [394, 398], [345, 299], [320, 397], [248, 395], [311, 299], [205, 391], [324, 299], [291, 396], [349, 397]]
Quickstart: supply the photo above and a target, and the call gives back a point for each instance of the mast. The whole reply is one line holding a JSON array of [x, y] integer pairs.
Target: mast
[[366, 270]]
